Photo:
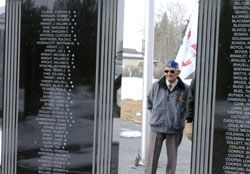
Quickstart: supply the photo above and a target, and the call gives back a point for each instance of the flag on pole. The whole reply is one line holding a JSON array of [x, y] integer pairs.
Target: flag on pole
[[186, 56]]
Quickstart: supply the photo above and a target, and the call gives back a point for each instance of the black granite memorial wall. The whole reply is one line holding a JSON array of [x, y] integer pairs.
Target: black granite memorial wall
[[57, 86], [231, 145], [2, 33]]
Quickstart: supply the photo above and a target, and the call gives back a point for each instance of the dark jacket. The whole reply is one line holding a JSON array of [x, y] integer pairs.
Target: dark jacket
[[167, 108], [190, 102]]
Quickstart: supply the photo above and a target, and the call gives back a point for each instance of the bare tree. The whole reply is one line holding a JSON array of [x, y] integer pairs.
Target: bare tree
[[169, 32]]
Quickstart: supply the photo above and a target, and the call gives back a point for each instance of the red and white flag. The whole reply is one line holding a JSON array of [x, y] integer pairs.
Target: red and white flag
[[186, 56]]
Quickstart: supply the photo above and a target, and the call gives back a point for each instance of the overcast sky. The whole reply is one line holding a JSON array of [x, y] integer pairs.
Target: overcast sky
[[2, 3], [134, 19]]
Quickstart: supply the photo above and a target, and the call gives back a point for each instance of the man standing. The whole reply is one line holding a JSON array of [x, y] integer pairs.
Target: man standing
[[166, 102]]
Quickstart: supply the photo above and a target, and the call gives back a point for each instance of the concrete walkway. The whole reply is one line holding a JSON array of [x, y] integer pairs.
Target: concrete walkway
[[130, 148]]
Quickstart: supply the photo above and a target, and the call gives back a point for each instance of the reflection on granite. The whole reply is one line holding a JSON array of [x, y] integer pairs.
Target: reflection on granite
[[57, 86]]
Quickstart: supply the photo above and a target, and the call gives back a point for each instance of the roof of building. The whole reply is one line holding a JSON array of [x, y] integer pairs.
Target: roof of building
[[131, 53]]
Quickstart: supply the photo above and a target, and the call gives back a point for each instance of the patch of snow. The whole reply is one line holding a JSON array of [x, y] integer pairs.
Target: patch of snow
[[131, 88], [130, 134], [138, 114]]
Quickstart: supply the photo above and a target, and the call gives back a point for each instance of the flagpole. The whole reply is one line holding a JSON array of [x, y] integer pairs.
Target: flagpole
[[147, 72]]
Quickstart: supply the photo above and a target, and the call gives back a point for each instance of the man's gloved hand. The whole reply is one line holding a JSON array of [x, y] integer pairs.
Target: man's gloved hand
[[188, 130]]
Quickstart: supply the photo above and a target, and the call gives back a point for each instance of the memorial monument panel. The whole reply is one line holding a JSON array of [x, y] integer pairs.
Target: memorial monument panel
[[231, 150], [2, 48], [57, 86]]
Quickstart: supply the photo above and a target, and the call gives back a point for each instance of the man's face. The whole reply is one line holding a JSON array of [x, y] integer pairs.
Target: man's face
[[171, 73]]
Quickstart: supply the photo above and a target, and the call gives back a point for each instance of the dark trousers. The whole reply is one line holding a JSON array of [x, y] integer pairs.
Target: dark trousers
[[154, 149]]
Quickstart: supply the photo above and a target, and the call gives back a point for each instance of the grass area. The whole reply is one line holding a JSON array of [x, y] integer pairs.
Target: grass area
[[131, 110]]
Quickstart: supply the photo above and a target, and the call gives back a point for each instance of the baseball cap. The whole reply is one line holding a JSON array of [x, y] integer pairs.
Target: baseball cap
[[172, 64]]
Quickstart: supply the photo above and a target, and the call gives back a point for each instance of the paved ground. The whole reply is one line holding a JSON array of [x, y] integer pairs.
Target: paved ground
[[130, 147]]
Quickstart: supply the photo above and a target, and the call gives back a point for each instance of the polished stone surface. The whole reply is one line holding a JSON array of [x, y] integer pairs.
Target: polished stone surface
[[57, 86], [231, 93]]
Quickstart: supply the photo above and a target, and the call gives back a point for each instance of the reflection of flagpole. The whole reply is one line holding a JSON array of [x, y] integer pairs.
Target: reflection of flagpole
[[147, 69]]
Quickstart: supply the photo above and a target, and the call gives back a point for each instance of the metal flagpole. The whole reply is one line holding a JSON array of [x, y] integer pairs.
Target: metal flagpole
[[147, 72]]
